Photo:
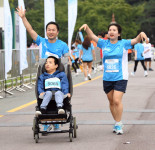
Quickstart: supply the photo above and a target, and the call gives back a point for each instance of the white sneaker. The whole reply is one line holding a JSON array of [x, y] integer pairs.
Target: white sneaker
[[78, 70], [132, 73], [145, 74], [38, 113], [89, 76], [86, 79], [118, 128], [61, 111]]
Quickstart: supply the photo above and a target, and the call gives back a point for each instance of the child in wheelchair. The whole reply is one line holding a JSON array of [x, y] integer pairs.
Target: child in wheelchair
[[52, 81]]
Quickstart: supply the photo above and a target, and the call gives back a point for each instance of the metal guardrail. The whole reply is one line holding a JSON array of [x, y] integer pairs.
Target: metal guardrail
[[15, 80]]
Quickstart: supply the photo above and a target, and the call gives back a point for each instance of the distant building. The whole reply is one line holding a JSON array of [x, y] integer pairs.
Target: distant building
[[113, 19]]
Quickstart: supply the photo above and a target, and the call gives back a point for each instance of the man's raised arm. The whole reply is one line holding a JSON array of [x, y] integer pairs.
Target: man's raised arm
[[27, 25]]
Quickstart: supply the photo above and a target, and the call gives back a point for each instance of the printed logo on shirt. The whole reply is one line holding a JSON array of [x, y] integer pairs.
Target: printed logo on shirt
[[45, 45], [106, 49]]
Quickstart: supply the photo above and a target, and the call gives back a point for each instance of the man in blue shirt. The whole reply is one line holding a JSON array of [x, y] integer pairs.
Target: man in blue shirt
[[50, 45]]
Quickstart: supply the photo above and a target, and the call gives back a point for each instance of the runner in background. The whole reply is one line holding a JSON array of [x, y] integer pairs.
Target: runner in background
[[87, 54], [147, 54], [139, 50]]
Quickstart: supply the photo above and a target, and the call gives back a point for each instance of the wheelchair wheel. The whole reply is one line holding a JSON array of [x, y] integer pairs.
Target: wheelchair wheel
[[36, 136], [70, 136], [74, 127], [34, 127]]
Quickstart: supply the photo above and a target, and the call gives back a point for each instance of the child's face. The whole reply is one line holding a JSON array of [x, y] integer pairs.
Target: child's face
[[50, 65]]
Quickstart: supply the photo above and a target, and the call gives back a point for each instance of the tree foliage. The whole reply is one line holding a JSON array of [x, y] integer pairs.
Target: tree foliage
[[97, 14]]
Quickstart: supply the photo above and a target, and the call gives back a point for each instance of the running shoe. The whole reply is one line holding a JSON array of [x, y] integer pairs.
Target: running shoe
[[150, 69], [56, 127], [114, 129], [132, 73], [60, 110], [38, 113], [89, 76], [119, 129], [86, 79], [145, 74]]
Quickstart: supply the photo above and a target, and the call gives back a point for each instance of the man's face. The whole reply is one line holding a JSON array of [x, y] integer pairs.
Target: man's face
[[50, 65], [52, 32]]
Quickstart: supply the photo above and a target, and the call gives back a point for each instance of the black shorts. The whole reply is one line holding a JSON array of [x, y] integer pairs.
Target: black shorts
[[147, 59], [87, 61], [115, 85]]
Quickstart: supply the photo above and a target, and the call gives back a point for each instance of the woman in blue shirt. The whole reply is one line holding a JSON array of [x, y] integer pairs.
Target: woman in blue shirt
[[87, 53], [115, 63]]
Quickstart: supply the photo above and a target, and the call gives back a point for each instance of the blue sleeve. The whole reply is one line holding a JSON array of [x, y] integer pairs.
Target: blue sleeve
[[92, 46], [79, 47], [64, 83], [65, 48], [127, 44], [135, 47], [38, 40], [40, 84], [100, 43]]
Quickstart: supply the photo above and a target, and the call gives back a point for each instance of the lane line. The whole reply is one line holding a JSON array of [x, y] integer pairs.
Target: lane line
[[35, 101], [22, 106]]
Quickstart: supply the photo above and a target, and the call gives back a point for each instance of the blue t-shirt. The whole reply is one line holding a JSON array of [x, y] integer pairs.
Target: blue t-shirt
[[59, 47], [140, 49], [115, 59], [87, 53]]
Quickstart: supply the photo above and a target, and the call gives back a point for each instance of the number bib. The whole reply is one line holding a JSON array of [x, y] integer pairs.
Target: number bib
[[111, 65], [52, 83]]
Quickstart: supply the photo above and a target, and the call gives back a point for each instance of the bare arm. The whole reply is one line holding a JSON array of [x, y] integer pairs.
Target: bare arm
[[93, 51], [146, 51], [89, 32], [81, 53], [27, 25], [135, 55], [140, 37]]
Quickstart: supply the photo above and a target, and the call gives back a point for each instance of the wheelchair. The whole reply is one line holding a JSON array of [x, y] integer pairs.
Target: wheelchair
[[52, 117]]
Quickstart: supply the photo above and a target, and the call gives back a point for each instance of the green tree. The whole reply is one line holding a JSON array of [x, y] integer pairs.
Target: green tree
[[96, 13], [148, 21]]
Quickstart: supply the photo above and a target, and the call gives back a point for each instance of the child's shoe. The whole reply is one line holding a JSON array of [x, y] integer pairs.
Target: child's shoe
[[60, 110]]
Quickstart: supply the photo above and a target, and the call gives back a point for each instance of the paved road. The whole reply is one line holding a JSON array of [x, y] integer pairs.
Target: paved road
[[90, 107]]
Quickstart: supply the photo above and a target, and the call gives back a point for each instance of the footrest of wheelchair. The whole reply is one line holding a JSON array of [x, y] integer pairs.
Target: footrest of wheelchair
[[53, 116]]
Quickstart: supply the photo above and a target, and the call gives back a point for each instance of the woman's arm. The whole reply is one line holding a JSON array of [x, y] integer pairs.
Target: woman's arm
[[142, 36], [94, 57], [81, 53], [135, 55], [89, 32]]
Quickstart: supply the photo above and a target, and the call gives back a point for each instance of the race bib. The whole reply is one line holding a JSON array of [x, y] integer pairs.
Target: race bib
[[52, 83], [51, 54], [111, 65]]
